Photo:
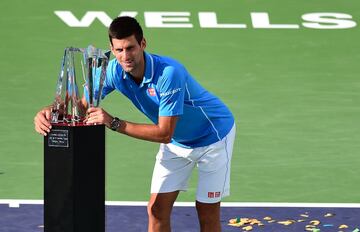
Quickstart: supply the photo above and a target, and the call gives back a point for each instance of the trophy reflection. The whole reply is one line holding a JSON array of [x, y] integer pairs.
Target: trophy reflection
[[80, 83]]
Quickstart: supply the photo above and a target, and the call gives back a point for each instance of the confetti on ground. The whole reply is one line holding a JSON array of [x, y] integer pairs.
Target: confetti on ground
[[238, 222], [313, 225], [267, 218], [234, 221], [315, 222], [343, 227], [235, 225], [247, 228], [255, 222], [287, 222]]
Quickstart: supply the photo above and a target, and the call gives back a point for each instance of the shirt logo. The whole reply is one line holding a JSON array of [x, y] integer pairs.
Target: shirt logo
[[151, 91], [170, 92]]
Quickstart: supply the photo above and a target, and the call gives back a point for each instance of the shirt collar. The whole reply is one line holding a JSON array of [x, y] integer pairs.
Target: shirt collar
[[149, 70]]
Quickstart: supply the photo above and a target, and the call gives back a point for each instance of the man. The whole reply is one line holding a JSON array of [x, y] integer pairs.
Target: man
[[192, 126]]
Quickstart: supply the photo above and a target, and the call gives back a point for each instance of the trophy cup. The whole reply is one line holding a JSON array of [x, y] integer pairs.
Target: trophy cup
[[74, 153], [79, 85]]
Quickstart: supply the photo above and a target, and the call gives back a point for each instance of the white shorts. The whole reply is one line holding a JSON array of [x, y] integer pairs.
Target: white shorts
[[174, 165]]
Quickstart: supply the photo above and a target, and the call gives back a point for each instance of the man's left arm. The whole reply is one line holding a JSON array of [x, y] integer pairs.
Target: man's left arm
[[161, 132]]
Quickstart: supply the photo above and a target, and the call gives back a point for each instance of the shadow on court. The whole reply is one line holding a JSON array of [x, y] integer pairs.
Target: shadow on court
[[29, 218]]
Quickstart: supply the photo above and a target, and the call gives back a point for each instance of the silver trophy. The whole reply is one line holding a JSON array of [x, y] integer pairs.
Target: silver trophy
[[80, 83]]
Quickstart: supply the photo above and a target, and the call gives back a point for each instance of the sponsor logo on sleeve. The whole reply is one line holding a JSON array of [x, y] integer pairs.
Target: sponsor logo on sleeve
[[170, 92]]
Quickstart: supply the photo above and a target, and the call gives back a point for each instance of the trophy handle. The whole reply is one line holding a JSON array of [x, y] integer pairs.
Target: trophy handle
[[58, 103]]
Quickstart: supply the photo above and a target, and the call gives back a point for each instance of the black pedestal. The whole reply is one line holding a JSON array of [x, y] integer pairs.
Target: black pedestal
[[74, 174]]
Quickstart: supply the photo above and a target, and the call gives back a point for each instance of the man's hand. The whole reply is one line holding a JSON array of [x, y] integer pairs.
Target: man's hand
[[161, 132], [97, 115], [42, 121]]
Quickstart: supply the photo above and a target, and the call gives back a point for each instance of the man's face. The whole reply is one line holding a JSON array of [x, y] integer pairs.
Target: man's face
[[129, 53]]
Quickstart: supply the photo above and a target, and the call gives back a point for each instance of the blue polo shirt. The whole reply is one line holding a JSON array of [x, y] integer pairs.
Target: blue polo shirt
[[168, 89]]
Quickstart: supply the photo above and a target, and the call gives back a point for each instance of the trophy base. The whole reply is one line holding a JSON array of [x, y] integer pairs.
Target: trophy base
[[69, 121], [72, 124], [74, 179]]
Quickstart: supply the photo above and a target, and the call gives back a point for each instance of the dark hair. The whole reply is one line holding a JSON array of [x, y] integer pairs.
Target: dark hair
[[125, 26]]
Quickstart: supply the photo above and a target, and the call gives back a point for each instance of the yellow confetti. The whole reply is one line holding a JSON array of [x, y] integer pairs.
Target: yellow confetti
[[329, 215], [247, 228], [343, 226], [254, 222], [286, 223], [235, 225], [233, 221], [240, 221], [315, 222], [237, 222], [267, 218], [301, 220], [304, 215]]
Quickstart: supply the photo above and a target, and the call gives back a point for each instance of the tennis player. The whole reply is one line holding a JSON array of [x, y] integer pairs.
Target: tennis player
[[193, 127]]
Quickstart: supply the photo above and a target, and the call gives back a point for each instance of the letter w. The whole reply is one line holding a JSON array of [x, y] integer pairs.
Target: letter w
[[68, 18]]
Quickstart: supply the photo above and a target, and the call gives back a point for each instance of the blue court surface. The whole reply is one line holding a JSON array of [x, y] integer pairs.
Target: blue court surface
[[27, 216]]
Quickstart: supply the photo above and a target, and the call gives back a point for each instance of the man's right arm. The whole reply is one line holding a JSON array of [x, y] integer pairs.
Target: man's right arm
[[42, 121]]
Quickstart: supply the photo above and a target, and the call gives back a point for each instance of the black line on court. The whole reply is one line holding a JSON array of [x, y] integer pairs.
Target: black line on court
[[29, 218]]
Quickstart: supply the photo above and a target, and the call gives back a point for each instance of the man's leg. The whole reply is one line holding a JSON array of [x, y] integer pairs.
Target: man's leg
[[171, 175], [214, 181], [159, 211], [209, 216]]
